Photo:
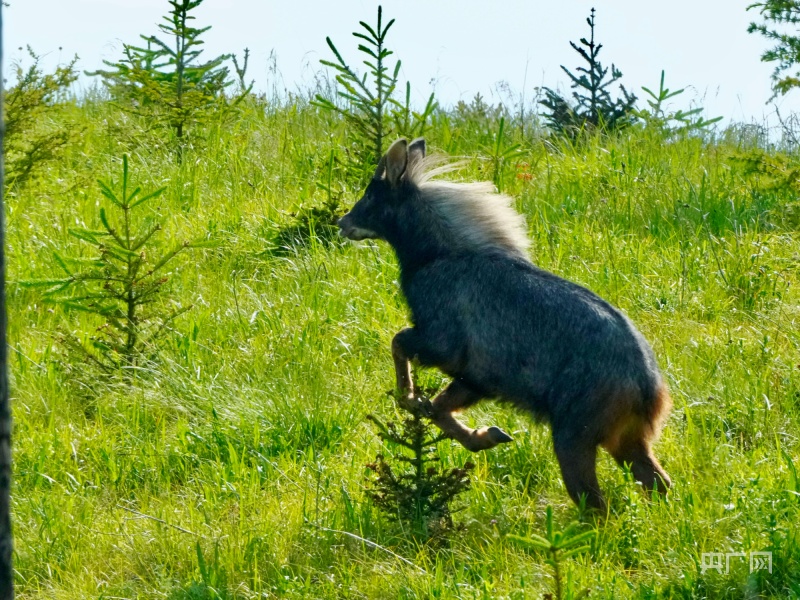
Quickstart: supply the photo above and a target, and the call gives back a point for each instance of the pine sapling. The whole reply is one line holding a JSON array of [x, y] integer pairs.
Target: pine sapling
[[369, 106], [166, 81], [786, 51], [124, 284], [408, 485], [594, 107], [559, 546], [669, 122]]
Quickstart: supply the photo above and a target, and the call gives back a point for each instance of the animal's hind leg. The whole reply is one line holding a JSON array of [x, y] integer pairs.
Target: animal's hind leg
[[579, 470], [456, 396], [636, 452]]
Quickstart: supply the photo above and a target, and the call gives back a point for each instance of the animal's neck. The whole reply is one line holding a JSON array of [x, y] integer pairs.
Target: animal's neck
[[417, 241]]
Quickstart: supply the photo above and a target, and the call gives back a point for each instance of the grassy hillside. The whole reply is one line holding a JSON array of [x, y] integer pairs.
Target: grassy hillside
[[234, 465]]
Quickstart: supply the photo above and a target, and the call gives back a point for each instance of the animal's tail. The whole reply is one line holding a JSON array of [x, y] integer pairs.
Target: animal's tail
[[656, 411], [635, 415], [630, 439]]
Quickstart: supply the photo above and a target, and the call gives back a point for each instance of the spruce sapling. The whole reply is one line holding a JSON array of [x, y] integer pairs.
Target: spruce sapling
[[594, 107], [124, 284], [369, 105], [167, 82], [408, 485]]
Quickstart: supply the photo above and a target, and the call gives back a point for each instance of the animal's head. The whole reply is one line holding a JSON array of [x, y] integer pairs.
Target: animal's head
[[374, 216]]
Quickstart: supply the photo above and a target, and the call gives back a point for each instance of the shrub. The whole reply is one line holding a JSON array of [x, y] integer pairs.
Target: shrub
[[32, 136]]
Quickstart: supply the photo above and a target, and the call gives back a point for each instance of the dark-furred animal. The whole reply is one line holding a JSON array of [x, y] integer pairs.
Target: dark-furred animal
[[503, 328]]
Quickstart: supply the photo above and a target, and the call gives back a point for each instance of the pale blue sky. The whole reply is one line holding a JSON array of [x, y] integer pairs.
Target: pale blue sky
[[457, 48]]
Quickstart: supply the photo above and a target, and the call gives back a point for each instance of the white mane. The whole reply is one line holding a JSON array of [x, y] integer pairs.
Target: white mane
[[476, 214]]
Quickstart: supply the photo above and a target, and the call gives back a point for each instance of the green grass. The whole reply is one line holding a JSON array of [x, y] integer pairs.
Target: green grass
[[233, 466]]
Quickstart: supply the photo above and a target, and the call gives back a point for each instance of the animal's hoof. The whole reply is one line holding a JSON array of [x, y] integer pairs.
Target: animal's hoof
[[498, 436], [486, 438], [406, 402]]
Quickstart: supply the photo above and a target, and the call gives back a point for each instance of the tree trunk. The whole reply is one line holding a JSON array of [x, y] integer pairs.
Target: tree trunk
[[6, 545]]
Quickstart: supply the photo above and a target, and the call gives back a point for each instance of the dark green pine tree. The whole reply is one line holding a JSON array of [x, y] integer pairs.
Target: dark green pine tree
[[166, 79], [594, 107], [786, 51], [409, 484], [368, 103]]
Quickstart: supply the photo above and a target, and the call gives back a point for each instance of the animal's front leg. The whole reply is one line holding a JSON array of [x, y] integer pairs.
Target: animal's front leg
[[402, 367], [456, 396]]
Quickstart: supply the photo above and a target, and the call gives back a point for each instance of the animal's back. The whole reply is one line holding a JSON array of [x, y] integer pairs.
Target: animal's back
[[522, 334]]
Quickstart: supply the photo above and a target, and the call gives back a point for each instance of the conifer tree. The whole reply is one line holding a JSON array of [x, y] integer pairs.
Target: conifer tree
[[34, 134], [369, 106], [167, 80], [786, 52], [594, 107], [124, 285], [409, 484]]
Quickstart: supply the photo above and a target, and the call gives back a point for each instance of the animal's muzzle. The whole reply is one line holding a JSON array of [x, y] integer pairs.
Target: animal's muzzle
[[351, 232], [345, 229]]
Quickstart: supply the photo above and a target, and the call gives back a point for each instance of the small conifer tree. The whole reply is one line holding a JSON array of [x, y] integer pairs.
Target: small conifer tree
[[672, 122], [594, 107], [166, 79], [32, 135], [369, 107], [408, 486], [123, 284], [786, 51]]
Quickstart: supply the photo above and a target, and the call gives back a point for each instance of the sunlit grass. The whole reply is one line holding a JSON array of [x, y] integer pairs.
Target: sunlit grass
[[232, 467]]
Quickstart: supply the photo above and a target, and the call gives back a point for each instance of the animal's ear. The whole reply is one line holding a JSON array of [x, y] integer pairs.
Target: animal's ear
[[396, 161], [381, 168], [416, 151]]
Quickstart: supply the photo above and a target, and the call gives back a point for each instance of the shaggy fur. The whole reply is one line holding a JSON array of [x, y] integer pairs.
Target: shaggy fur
[[479, 217]]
